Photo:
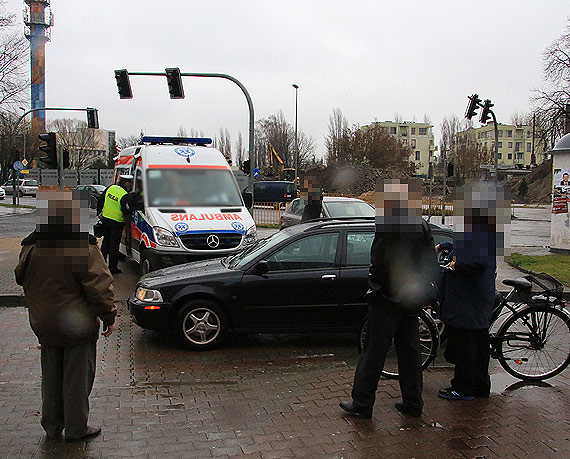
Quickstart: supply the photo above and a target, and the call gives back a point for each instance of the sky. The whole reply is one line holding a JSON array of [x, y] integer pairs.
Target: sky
[[372, 59]]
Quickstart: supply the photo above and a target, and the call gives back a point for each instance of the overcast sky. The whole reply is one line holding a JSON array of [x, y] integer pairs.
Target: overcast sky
[[370, 58]]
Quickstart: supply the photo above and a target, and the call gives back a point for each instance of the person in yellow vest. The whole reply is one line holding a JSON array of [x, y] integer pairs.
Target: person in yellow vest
[[113, 219]]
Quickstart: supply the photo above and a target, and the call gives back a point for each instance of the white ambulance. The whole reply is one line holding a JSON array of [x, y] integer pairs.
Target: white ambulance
[[190, 207]]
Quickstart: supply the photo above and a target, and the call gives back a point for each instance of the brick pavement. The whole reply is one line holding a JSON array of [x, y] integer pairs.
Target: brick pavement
[[266, 397]]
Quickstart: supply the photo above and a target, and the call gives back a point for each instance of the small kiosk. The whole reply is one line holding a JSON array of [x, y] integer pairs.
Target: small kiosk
[[560, 221]]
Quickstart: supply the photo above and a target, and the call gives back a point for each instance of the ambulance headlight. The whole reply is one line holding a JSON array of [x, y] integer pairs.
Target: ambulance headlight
[[165, 237], [250, 236]]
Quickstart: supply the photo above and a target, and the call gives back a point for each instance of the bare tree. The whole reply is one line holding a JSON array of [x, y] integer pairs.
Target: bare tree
[[398, 118], [14, 52], [129, 141], [240, 150], [74, 135], [224, 143], [449, 129], [181, 132], [550, 100], [336, 140]]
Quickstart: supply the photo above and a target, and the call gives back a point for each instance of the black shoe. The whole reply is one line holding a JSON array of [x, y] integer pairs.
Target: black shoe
[[115, 271], [91, 432], [349, 407], [451, 394], [403, 408]]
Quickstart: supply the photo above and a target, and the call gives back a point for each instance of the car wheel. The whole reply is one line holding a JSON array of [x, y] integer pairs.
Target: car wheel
[[201, 325], [145, 264]]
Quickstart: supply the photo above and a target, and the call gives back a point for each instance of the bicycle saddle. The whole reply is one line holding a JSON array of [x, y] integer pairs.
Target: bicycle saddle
[[519, 284]]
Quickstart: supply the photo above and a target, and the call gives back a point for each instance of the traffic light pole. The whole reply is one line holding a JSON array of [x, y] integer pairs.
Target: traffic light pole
[[249, 104]]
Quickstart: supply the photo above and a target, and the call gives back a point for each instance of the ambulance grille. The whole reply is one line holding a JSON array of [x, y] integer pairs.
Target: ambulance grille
[[200, 241]]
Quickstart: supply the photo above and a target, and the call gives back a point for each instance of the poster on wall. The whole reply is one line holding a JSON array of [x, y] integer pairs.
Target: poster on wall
[[561, 182]]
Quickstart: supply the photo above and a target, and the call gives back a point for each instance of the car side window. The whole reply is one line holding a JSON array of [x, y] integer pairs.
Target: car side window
[[358, 246], [311, 252]]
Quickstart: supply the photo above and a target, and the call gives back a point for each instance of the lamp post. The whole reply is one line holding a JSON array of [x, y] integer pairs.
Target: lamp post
[[23, 109], [296, 138]]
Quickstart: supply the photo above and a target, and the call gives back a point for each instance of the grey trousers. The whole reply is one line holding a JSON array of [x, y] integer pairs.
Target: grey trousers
[[67, 379]]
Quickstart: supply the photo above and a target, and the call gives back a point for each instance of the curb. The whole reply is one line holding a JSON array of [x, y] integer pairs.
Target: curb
[[14, 301]]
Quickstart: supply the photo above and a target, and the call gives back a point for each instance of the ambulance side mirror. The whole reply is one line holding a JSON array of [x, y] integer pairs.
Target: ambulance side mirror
[[247, 199]]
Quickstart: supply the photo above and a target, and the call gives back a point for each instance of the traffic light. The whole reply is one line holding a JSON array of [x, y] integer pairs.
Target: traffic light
[[485, 113], [50, 148], [245, 167], [174, 80], [123, 84], [92, 118], [474, 102], [66, 159], [450, 169]]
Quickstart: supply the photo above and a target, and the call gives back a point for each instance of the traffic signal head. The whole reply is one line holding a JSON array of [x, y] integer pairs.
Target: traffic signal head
[[246, 167], [50, 148], [123, 84], [92, 118], [474, 102], [174, 80], [450, 169], [485, 113], [65, 158]]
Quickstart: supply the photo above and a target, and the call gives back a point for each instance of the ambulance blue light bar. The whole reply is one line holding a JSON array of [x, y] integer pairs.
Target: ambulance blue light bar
[[199, 141]]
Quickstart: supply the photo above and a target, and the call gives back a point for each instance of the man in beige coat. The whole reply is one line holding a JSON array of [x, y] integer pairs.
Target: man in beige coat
[[69, 290]]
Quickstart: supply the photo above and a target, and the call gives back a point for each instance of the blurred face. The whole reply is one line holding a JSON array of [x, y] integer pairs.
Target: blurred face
[[63, 208]]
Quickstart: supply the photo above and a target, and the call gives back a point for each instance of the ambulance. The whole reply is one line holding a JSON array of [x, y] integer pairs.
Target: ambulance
[[189, 206]]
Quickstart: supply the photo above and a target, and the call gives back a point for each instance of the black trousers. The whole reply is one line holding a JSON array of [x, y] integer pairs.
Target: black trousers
[[112, 231], [469, 350], [67, 379], [386, 322]]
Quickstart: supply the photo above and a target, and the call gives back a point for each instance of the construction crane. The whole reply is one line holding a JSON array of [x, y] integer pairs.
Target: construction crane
[[278, 166]]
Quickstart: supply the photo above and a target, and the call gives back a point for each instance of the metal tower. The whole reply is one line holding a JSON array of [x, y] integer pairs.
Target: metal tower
[[38, 19]]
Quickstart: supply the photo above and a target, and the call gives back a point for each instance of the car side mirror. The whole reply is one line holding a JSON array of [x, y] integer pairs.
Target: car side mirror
[[248, 199], [261, 268]]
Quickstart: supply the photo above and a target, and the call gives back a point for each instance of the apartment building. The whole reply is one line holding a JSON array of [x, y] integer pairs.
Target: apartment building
[[515, 144], [418, 137]]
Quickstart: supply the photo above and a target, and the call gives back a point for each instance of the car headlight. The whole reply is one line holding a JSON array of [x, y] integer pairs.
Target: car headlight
[[250, 236], [165, 237], [148, 296]]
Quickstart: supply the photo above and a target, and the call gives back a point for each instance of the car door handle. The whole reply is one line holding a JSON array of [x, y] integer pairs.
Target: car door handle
[[328, 276]]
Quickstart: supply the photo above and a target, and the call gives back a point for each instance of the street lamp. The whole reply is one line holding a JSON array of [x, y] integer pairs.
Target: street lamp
[[23, 109], [296, 138]]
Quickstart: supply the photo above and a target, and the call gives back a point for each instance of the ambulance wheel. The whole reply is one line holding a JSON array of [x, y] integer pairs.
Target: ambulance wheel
[[145, 264], [201, 325]]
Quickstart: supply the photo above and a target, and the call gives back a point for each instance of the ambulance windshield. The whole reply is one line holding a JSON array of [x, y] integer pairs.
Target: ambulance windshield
[[187, 187]]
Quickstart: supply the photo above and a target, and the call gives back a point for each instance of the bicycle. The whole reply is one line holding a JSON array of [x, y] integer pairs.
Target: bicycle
[[529, 333]]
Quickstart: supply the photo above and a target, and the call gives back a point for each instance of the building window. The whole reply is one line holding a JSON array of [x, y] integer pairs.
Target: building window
[[528, 133], [422, 131], [413, 142], [529, 147], [518, 146], [417, 155], [510, 156], [413, 131], [500, 156], [520, 155], [510, 144], [404, 142], [500, 133], [393, 130], [509, 133], [500, 144]]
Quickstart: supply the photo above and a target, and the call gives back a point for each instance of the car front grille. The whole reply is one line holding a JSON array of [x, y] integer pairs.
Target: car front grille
[[200, 241]]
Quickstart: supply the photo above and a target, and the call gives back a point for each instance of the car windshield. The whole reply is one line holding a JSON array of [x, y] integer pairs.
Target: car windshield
[[349, 209], [244, 257], [98, 188], [31, 183], [192, 187]]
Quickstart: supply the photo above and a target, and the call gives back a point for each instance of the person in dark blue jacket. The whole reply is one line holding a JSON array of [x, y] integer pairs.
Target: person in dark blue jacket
[[468, 301]]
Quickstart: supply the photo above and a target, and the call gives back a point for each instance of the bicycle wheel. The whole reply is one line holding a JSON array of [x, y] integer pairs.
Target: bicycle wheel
[[429, 341], [534, 343]]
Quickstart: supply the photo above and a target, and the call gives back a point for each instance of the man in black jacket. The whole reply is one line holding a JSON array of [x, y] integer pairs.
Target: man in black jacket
[[402, 270]]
